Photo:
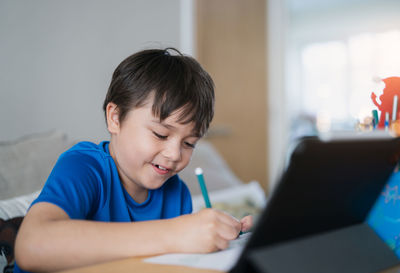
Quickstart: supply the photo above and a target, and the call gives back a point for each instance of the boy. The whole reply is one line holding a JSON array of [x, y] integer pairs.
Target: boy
[[123, 198]]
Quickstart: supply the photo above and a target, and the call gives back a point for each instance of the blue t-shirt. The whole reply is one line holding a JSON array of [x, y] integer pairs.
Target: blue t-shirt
[[86, 185]]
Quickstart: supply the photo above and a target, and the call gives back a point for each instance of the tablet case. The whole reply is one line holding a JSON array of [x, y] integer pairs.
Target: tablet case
[[323, 196]]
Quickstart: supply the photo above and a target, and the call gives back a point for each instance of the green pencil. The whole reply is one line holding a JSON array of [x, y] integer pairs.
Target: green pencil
[[200, 178]]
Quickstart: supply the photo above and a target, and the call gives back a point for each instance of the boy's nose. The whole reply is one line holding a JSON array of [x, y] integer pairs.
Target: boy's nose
[[172, 152]]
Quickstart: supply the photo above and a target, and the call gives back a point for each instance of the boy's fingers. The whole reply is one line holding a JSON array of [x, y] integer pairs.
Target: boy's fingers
[[228, 231], [246, 222], [230, 220], [221, 243]]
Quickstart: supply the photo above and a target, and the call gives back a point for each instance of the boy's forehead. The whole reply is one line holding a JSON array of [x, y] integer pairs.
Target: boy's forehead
[[177, 119]]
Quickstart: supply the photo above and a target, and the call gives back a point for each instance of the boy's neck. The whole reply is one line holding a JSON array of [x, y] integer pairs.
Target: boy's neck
[[138, 197]]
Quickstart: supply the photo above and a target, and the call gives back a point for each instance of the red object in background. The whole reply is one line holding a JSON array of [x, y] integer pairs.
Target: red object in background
[[392, 88]]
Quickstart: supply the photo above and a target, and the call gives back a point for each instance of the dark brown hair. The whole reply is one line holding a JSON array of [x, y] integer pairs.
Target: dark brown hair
[[178, 82]]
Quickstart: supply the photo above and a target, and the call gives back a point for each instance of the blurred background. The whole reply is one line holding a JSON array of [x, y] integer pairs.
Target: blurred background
[[282, 68]]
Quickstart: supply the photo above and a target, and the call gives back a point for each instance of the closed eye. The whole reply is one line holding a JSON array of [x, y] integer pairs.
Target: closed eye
[[159, 136], [190, 145]]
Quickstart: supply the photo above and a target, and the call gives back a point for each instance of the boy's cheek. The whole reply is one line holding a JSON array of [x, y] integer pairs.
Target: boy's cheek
[[184, 163], [180, 168]]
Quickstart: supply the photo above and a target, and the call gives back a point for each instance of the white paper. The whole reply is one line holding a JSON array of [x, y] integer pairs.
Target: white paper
[[222, 260]]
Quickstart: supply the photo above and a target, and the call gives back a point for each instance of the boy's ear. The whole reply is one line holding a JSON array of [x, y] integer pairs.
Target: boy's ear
[[112, 115]]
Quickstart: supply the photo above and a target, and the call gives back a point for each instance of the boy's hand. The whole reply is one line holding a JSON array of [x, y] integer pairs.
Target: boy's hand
[[206, 231], [247, 223]]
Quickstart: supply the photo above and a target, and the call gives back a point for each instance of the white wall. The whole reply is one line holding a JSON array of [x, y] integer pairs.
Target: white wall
[[313, 21], [57, 58], [277, 128]]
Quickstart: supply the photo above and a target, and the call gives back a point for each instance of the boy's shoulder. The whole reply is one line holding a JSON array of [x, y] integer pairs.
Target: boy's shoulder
[[88, 148], [86, 157]]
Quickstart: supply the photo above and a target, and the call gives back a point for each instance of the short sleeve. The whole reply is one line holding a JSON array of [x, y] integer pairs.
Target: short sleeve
[[186, 199], [73, 185]]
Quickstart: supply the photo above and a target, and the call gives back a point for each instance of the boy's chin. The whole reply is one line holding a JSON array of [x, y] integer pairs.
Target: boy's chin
[[156, 185]]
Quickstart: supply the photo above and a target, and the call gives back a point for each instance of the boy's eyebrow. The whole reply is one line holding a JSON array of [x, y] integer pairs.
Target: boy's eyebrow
[[168, 126], [171, 127]]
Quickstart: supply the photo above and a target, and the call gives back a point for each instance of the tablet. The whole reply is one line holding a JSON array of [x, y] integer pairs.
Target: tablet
[[328, 184]]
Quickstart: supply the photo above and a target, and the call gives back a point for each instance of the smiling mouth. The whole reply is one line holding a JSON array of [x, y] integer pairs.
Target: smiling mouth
[[161, 169]]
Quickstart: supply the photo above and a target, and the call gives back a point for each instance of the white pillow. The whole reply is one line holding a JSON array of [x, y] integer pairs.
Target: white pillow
[[238, 201], [17, 206], [26, 163], [217, 173]]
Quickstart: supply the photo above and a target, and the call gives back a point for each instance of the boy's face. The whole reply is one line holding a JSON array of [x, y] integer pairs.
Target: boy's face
[[146, 151]]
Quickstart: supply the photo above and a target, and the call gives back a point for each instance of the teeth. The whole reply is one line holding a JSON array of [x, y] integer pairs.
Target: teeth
[[161, 168]]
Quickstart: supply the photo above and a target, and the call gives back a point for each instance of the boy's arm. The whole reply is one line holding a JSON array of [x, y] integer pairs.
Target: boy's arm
[[49, 240]]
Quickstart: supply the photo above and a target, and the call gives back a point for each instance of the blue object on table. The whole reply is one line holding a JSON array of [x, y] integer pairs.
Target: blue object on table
[[384, 217]]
